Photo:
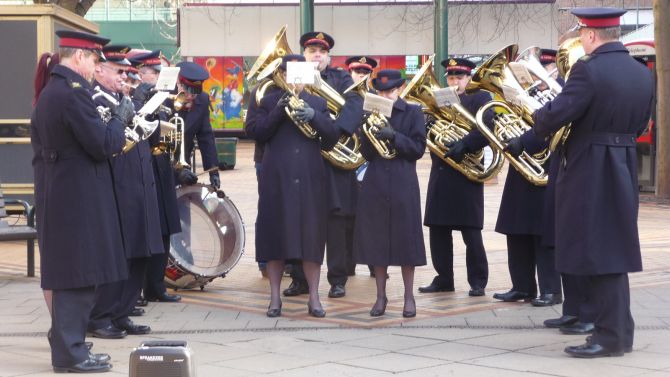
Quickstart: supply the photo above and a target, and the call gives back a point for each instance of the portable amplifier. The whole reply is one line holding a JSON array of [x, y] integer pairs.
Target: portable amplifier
[[163, 358]]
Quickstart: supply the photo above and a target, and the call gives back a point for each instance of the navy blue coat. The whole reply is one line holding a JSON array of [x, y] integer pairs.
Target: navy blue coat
[[452, 199], [198, 126], [292, 203], [388, 229], [522, 205], [136, 196], [608, 98], [343, 188], [79, 233]]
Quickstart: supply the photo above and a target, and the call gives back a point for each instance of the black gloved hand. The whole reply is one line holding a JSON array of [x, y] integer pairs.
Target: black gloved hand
[[514, 146], [430, 121], [385, 133], [457, 151], [185, 177], [142, 92], [124, 111], [305, 114], [284, 100], [214, 180]]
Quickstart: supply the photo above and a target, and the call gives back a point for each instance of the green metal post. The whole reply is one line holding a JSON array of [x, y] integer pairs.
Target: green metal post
[[306, 16], [441, 38]]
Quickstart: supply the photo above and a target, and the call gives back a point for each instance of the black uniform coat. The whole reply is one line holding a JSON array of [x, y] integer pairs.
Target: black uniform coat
[[452, 199], [343, 187], [608, 98], [79, 232], [388, 229], [136, 196], [198, 126], [292, 207]]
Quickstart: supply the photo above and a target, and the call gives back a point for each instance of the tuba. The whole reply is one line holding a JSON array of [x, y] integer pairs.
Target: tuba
[[452, 124], [513, 118], [277, 48], [271, 75], [568, 53]]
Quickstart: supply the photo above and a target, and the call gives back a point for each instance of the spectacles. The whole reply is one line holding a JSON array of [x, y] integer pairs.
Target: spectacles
[[118, 71]]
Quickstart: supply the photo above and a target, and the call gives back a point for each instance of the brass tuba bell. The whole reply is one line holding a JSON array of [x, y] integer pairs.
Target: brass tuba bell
[[512, 117], [276, 48], [452, 123]]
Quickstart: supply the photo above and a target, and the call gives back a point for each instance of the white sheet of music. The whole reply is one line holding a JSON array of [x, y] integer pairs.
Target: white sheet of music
[[373, 102], [167, 79], [152, 104], [300, 72], [521, 74], [446, 96]]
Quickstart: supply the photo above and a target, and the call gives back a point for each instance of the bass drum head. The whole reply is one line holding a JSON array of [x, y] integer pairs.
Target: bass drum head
[[211, 241]]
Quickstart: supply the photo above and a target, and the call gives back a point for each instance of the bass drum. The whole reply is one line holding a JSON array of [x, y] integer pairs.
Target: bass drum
[[211, 241]]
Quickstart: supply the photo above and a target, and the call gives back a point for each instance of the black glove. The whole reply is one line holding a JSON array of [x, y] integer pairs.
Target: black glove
[[284, 100], [142, 92], [305, 114], [185, 177], [124, 111], [430, 121], [514, 146], [215, 180], [385, 133], [457, 151]]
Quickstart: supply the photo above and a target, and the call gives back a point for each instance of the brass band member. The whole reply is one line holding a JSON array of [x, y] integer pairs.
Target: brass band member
[[292, 205], [388, 231], [454, 202]]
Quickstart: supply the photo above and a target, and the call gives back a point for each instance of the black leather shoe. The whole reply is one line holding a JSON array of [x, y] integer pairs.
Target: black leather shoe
[[409, 313], [86, 366], [109, 332], [476, 291], [379, 312], [565, 320], [100, 358], [337, 291], [272, 313], [142, 302], [577, 328], [435, 287], [547, 299], [136, 312], [318, 313], [512, 296], [296, 288], [591, 350], [165, 297], [131, 328]]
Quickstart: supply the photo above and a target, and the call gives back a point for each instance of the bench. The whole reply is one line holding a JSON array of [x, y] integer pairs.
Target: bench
[[27, 232]]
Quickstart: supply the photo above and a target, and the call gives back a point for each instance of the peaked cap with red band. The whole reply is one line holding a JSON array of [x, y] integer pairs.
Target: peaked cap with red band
[[361, 62], [192, 75], [150, 59], [547, 56], [85, 41], [458, 66], [598, 18], [317, 38], [116, 54]]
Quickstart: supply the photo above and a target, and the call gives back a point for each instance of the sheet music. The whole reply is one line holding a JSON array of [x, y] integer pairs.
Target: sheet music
[[521, 74], [300, 72], [152, 104], [377, 103], [167, 79], [446, 96]]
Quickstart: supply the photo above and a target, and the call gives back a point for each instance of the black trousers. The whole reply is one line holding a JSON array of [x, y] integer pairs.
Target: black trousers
[[442, 255], [116, 300], [71, 309], [155, 278], [524, 253], [614, 325], [339, 248], [576, 301]]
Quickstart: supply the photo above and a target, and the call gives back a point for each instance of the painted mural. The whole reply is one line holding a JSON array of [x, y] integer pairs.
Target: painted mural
[[226, 88]]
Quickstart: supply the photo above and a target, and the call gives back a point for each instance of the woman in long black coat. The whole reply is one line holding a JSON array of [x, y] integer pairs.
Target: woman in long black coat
[[388, 229], [293, 203]]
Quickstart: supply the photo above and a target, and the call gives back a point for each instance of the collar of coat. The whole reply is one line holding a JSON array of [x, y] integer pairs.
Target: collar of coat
[[615, 46], [71, 76], [400, 104]]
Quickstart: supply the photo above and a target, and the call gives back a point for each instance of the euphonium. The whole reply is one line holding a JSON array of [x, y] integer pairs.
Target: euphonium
[[568, 53], [276, 48], [373, 123], [272, 75], [546, 88], [512, 118], [452, 123]]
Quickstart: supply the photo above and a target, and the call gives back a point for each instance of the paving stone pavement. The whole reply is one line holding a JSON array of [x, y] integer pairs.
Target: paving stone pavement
[[229, 335]]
